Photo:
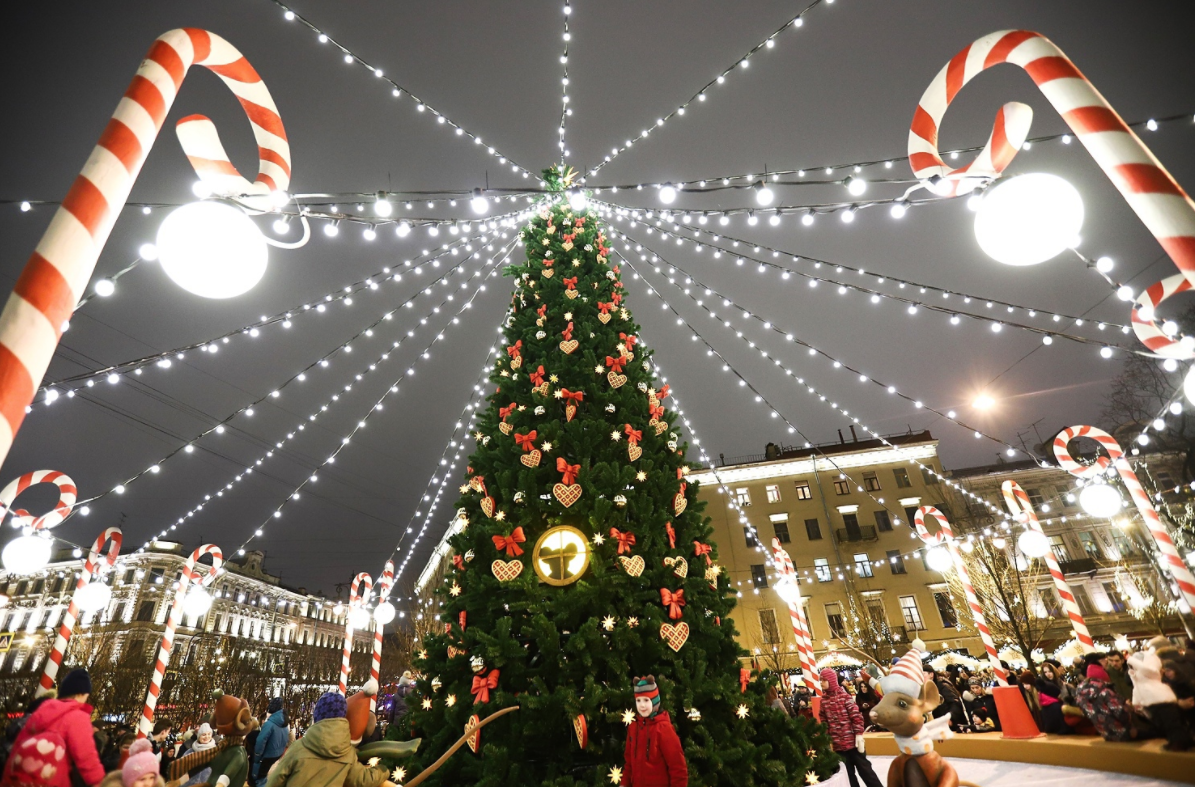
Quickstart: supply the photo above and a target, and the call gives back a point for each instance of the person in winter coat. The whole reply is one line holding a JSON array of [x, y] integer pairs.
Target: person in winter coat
[[1103, 706], [139, 770], [845, 724], [654, 755], [1157, 701], [204, 740], [324, 756], [865, 698], [16, 725], [66, 723], [272, 741], [984, 715]]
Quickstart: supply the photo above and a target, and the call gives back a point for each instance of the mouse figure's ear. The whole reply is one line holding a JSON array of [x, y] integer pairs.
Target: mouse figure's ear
[[929, 694]]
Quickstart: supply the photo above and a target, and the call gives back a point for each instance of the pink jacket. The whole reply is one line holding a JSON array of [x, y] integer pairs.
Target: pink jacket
[[840, 713], [71, 720]]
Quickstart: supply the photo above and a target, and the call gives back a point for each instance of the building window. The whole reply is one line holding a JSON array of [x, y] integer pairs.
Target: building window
[[822, 567], [1083, 600], [834, 618], [875, 611], [21, 588], [1058, 547], [749, 534], [902, 478], [912, 615], [853, 532], [1090, 545], [862, 564], [896, 562], [883, 521], [870, 482], [813, 530], [759, 576], [145, 613], [743, 496], [842, 487], [781, 529], [1124, 544], [38, 587], [1114, 597], [1164, 480], [773, 491], [803, 491], [910, 515], [946, 609], [768, 627], [1035, 498], [928, 476]]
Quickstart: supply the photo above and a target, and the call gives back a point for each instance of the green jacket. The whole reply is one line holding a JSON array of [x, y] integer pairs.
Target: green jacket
[[324, 757]]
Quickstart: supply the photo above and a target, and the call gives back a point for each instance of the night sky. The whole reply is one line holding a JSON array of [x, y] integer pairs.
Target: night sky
[[839, 90]]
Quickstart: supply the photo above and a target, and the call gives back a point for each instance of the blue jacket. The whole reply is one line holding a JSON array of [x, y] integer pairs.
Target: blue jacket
[[273, 738]]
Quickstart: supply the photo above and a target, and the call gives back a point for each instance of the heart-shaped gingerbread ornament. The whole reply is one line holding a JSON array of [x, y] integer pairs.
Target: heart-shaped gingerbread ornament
[[680, 566], [679, 504], [505, 427], [487, 506], [567, 494], [548, 273], [675, 636], [616, 380], [634, 451], [506, 570], [632, 565], [477, 484], [531, 458], [569, 346], [604, 318], [541, 389], [516, 362], [659, 426], [571, 294], [473, 733]]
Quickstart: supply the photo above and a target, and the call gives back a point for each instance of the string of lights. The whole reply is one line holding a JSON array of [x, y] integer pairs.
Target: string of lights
[[742, 63], [248, 409], [1103, 265], [565, 110], [914, 306], [495, 266], [769, 327], [397, 90], [51, 391]]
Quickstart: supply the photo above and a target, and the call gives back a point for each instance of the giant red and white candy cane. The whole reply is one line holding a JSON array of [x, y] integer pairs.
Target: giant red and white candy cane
[[945, 535], [385, 584], [1022, 509], [796, 616], [1151, 192], [193, 573], [96, 556], [56, 275], [68, 493], [1171, 559], [356, 601]]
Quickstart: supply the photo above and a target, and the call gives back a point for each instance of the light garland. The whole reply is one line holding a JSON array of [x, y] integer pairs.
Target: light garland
[[742, 63], [565, 109], [397, 90]]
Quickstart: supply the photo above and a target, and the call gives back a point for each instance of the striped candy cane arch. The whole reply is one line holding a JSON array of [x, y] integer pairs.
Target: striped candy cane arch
[[1022, 509], [112, 536], [945, 535], [797, 616], [1170, 557], [385, 584], [357, 600], [68, 493], [193, 573], [57, 273], [1151, 192]]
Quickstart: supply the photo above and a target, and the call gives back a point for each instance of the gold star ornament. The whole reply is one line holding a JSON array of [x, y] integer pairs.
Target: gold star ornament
[[608, 622], [742, 712], [598, 539], [500, 516], [398, 774], [628, 717], [546, 447], [427, 704], [632, 622], [616, 435], [373, 761], [464, 489], [455, 590], [599, 369], [553, 378], [641, 476], [423, 655], [450, 700], [615, 775], [811, 778]]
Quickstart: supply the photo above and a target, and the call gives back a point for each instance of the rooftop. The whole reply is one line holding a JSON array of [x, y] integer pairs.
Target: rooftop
[[774, 452]]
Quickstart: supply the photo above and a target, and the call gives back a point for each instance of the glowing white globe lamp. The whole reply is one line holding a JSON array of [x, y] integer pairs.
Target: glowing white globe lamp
[[93, 597], [359, 617], [26, 553], [1100, 500], [577, 200], [939, 559], [1029, 219], [197, 602], [1033, 543], [788, 591], [212, 250], [384, 613]]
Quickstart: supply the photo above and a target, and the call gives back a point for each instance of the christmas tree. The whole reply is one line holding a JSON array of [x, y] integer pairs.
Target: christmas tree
[[585, 560]]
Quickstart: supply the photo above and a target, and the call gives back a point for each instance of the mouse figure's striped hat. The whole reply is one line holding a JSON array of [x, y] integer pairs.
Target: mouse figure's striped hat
[[907, 676]]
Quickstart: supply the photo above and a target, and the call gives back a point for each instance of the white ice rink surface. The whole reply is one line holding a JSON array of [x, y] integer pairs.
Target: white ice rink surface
[[989, 773]]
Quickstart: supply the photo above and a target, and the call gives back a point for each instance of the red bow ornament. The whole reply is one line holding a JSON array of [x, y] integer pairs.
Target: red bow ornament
[[570, 284], [513, 350], [510, 544], [616, 298], [575, 396], [671, 535], [537, 377], [542, 310], [605, 307], [625, 540], [657, 412], [482, 686], [548, 263], [633, 435], [505, 411], [629, 341], [569, 471], [459, 562], [567, 333], [461, 618], [526, 441], [673, 601], [662, 394], [616, 364], [702, 550]]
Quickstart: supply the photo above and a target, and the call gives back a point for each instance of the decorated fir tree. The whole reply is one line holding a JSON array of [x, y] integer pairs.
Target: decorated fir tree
[[585, 561]]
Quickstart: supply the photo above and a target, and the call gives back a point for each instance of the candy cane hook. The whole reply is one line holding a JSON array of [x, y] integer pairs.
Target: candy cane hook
[[1019, 504], [945, 535], [356, 601], [200, 575], [1171, 559], [385, 584], [68, 493], [796, 616], [1151, 192], [97, 556], [56, 275]]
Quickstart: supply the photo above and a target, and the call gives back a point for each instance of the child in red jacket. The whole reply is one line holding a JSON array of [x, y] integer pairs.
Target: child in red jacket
[[654, 757], [841, 715]]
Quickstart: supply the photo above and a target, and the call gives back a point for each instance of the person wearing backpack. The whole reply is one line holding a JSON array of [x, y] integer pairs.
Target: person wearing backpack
[[57, 740]]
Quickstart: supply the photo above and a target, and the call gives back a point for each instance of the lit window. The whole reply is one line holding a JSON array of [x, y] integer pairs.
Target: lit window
[[822, 567], [862, 564], [743, 496], [871, 482], [773, 493], [834, 618], [803, 491], [842, 487], [902, 478]]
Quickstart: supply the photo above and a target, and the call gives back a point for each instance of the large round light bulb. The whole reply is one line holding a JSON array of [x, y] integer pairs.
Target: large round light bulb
[[359, 617], [1033, 543], [384, 613], [939, 559], [1029, 219], [212, 249], [479, 203], [788, 591], [763, 194], [668, 194], [26, 554], [577, 200], [93, 597], [1100, 500], [197, 602]]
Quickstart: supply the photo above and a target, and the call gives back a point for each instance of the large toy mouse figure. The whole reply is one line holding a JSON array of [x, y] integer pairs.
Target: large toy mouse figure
[[908, 698]]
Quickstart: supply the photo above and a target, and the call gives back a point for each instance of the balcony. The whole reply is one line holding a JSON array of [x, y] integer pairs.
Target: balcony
[[850, 535], [1082, 565]]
